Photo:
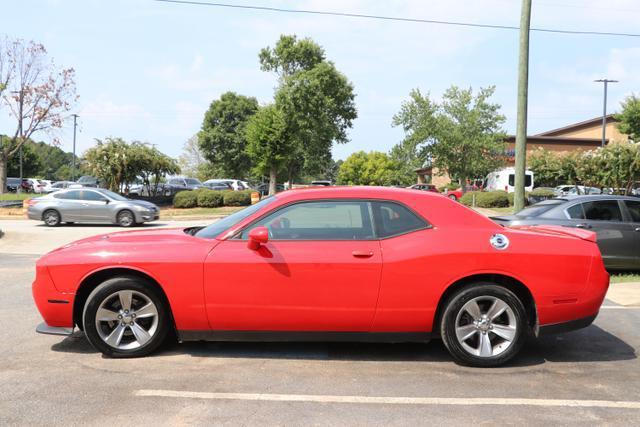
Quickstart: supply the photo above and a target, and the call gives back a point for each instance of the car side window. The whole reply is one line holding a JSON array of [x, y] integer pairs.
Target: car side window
[[393, 219], [575, 211], [69, 195], [634, 210], [319, 220], [603, 210], [91, 196]]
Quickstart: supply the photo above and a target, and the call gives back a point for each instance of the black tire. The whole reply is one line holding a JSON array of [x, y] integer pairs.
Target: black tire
[[453, 197], [501, 350], [51, 218], [143, 293], [126, 218]]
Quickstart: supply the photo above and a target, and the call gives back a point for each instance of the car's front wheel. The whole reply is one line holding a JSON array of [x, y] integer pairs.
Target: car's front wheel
[[125, 317], [126, 218], [484, 325]]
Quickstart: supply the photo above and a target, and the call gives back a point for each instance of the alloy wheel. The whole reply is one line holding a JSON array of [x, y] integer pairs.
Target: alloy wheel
[[51, 218], [486, 326], [127, 320], [125, 219]]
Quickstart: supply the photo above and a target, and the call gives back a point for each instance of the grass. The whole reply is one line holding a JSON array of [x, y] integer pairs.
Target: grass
[[16, 196], [502, 211], [625, 277], [166, 213]]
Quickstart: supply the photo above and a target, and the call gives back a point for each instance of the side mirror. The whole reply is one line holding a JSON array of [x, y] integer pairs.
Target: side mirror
[[258, 236], [106, 201]]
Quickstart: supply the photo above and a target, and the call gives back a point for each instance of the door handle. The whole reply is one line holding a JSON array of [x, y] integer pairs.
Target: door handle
[[362, 254], [583, 225]]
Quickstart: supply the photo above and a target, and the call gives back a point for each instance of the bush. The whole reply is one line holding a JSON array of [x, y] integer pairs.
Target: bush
[[542, 192], [185, 199], [209, 198], [486, 199], [237, 198], [450, 186]]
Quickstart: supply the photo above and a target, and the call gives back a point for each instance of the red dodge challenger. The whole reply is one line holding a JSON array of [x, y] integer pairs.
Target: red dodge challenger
[[329, 264]]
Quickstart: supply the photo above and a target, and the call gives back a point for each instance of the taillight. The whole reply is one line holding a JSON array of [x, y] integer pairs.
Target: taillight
[[32, 202]]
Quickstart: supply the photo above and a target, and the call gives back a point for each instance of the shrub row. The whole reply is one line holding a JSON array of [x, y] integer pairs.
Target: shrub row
[[205, 198], [486, 199]]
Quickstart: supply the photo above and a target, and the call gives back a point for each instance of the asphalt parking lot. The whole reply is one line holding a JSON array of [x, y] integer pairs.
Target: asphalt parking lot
[[591, 376]]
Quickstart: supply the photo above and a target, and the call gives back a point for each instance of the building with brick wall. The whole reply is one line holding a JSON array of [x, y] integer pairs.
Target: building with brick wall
[[582, 136]]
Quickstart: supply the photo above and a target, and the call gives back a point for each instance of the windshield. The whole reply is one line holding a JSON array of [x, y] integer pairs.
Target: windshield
[[216, 228], [192, 181], [540, 208], [115, 196]]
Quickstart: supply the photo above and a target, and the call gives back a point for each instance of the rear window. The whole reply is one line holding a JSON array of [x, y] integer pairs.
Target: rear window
[[540, 208], [527, 180], [392, 219]]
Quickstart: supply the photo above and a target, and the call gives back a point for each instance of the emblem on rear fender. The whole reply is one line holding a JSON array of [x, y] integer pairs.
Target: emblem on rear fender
[[499, 241]]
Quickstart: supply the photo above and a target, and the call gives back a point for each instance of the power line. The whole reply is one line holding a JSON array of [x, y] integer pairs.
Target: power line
[[395, 18]]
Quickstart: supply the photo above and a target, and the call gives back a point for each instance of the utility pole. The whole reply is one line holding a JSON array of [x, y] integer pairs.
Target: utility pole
[[73, 160], [523, 87], [604, 107], [21, 142]]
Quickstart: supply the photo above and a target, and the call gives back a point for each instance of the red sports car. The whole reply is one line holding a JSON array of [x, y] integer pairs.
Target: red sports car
[[330, 264]]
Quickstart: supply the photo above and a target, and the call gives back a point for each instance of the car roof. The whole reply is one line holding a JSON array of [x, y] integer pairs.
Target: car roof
[[352, 191], [593, 197]]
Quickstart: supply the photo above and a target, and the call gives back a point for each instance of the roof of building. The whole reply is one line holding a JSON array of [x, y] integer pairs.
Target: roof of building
[[566, 140], [578, 126]]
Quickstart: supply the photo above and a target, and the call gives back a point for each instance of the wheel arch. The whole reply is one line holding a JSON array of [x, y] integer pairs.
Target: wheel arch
[[121, 209], [45, 210], [501, 279], [93, 280]]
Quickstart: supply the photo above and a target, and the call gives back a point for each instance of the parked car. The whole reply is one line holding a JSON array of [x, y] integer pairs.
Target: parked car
[[59, 185], [575, 190], [184, 183], [307, 264], [424, 187], [88, 181], [453, 194], [224, 184], [504, 179], [12, 184], [263, 189], [615, 219], [90, 205], [26, 186]]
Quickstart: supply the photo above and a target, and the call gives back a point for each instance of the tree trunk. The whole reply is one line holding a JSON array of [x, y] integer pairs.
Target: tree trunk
[[272, 180], [4, 165]]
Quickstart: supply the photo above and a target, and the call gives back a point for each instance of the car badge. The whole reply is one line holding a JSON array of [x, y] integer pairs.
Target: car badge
[[499, 241]]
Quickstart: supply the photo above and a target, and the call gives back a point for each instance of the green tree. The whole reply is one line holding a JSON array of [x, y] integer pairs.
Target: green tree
[[316, 100], [372, 168], [222, 138], [31, 166], [630, 117], [462, 136], [267, 145]]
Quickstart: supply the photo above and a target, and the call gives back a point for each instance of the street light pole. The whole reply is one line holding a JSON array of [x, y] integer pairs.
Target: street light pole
[[73, 160], [604, 107]]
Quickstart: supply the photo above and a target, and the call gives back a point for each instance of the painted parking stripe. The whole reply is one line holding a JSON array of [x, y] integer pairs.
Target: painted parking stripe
[[454, 401], [618, 307]]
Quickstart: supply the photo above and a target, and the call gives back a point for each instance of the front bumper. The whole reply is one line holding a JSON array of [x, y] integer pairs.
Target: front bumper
[[43, 328]]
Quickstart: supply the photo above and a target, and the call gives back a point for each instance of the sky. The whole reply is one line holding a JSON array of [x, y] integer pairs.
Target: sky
[[148, 71]]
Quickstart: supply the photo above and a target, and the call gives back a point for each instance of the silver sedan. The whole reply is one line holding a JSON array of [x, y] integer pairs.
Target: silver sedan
[[90, 205]]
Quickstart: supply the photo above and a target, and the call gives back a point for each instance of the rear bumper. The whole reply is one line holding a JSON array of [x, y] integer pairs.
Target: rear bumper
[[43, 328], [571, 325]]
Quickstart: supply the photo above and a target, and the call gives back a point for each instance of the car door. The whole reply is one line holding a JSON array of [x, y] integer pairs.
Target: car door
[[319, 271], [69, 205], [94, 206], [633, 210], [615, 236]]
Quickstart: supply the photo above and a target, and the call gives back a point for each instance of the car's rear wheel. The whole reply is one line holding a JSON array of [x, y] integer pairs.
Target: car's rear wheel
[[126, 218], [51, 218], [453, 197], [125, 317], [484, 325]]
